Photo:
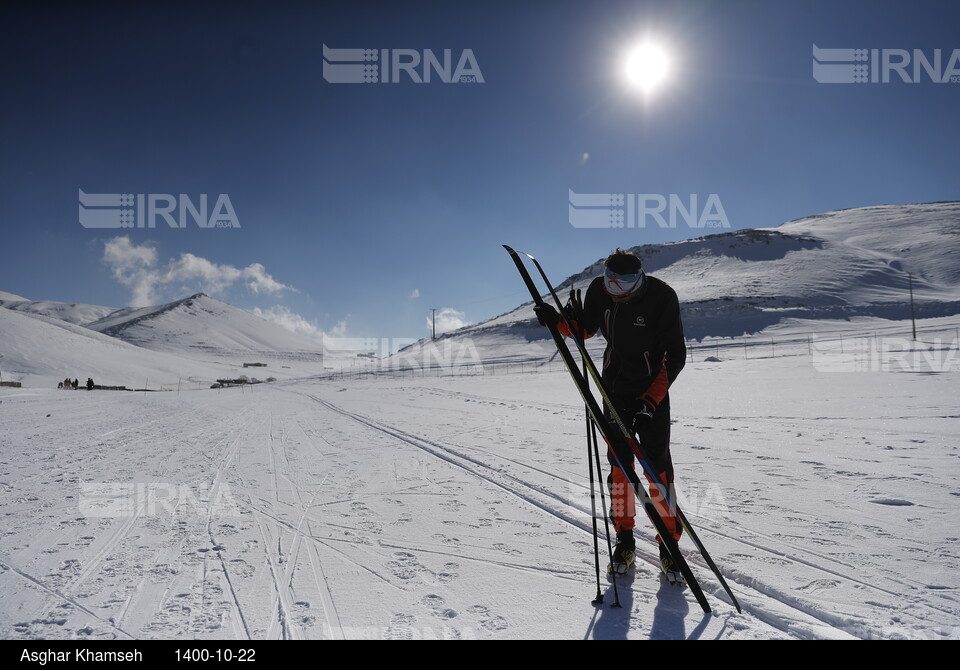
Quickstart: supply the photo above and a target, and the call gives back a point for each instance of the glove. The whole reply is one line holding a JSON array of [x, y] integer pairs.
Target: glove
[[547, 315], [643, 415]]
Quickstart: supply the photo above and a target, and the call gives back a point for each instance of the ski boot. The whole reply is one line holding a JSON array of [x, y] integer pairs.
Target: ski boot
[[624, 554], [670, 571]]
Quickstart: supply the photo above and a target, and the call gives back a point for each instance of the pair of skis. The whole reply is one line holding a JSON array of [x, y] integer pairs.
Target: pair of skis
[[624, 437]]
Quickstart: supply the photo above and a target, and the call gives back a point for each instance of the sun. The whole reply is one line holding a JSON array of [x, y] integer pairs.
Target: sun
[[646, 66]]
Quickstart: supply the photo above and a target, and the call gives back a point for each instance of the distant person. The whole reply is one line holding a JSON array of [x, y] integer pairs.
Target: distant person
[[89, 383], [76, 384]]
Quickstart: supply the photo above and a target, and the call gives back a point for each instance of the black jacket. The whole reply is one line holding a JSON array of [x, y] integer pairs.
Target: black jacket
[[645, 346]]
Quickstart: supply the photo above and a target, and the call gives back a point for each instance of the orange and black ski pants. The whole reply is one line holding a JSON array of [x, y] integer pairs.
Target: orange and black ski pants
[[654, 437]]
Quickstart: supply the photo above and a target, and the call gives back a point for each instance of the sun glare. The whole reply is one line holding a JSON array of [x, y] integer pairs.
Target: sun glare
[[646, 66]]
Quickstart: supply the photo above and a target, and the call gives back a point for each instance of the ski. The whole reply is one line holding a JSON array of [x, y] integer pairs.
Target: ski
[[638, 448], [611, 438]]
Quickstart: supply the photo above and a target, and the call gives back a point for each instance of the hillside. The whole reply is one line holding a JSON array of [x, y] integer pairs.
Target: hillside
[[195, 338], [837, 265], [201, 326], [41, 351], [71, 312]]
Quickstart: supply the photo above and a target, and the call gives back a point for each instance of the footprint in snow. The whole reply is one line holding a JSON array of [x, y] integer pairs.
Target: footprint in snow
[[438, 606], [446, 539], [819, 585], [401, 628], [499, 546], [488, 621], [241, 568], [405, 566], [448, 574]]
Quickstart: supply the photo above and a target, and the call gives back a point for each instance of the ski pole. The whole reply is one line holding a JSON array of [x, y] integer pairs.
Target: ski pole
[[593, 452]]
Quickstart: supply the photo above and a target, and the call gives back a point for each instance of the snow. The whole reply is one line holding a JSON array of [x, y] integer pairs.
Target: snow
[[7, 297], [76, 313], [41, 351], [457, 507], [443, 493], [192, 341], [837, 265]]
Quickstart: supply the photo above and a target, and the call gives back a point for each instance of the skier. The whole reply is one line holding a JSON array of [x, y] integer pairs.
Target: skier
[[639, 316]]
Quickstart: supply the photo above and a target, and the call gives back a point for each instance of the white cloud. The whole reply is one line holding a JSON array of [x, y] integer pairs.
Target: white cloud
[[415, 294], [284, 317], [131, 265], [448, 319], [136, 266], [123, 255]]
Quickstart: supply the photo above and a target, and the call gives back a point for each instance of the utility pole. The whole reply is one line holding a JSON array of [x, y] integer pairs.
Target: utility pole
[[913, 315], [434, 331]]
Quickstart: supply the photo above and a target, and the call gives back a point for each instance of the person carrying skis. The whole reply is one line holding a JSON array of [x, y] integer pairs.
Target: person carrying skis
[[639, 316]]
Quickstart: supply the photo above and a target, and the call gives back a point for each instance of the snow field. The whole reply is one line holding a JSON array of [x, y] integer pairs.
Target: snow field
[[458, 508]]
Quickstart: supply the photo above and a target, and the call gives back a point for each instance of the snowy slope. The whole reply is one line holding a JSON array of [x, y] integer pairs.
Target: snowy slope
[[71, 312], [458, 507], [41, 351], [202, 323], [837, 265], [207, 338], [6, 296], [205, 328]]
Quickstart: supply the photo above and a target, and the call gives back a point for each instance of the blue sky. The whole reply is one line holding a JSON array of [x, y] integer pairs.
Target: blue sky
[[364, 206]]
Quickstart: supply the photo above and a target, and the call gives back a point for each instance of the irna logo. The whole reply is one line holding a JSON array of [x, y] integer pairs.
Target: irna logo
[[637, 210], [393, 66], [143, 210], [883, 66]]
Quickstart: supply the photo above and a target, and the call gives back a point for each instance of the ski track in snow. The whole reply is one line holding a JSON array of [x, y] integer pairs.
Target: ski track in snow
[[327, 509]]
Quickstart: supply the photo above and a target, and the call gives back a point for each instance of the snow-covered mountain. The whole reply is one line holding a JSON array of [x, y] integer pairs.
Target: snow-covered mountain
[[195, 338], [40, 350], [847, 264], [837, 265], [204, 326], [7, 297], [71, 312]]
